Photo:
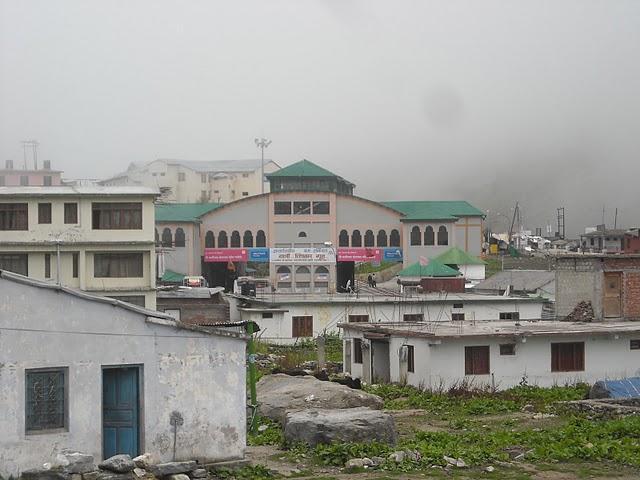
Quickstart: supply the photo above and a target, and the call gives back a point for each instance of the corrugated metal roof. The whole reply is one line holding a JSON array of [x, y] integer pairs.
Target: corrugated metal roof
[[520, 280], [183, 212], [303, 168], [434, 210], [248, 165], [455, 256]]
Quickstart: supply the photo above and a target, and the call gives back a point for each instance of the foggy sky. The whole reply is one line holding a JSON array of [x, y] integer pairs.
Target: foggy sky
[[490, 101]]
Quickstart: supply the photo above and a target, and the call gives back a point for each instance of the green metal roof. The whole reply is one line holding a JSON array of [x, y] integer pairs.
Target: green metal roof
[[434, 210], [303, 168], [183, 212], [170, 276], [433, 269], [455, 256]]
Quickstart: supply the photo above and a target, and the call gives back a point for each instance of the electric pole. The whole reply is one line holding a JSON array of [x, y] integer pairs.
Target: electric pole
[[262, 143]]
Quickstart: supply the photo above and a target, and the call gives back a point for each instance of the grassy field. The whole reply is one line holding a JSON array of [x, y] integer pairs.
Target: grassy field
[[520, 433]]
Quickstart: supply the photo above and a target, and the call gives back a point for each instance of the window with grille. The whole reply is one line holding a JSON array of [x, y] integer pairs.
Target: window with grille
[[118, 265], [70, 213], [357, 350], [457, 316], [46, 399], [634, 344], [509, 315], [411, 359], [358, 318], [507, 349], [44, 213], [302, 208], [117, 216], [321, 208], [14, 216], [413, 317], [15, 262], [302, 326], [476, 360], [567, 357]]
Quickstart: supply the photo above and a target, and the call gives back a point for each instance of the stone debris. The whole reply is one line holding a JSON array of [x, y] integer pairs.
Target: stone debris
[[528, 408], [282, 393], [74, 462], [172, 468], [397, 457], [377, 461], [354, 463], [179, 476], [43, 474], [583, 312], [323, 426], [146, 460], [489, 469], [139, 472], [604, 407], [454, 462], [199, 473], [118, 464]]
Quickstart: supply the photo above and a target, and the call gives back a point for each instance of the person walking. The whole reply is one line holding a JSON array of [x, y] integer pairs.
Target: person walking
[[370, 280]]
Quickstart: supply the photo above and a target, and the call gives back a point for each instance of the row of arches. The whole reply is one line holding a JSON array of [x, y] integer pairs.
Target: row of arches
[[303, 270], [370, 239], [429, 237], [168, 240], [235, 241]]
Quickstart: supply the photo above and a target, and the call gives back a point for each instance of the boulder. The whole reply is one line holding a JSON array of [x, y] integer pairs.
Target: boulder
[[75, 462], [279, 394], [199, 473], [146, 460], [179, 476], [173, 468], [339, 425], [121, 463], [43, 474]]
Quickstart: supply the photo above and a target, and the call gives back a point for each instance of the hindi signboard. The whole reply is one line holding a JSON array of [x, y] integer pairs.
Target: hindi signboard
[[304, 256], [225, 254], [359, 254]]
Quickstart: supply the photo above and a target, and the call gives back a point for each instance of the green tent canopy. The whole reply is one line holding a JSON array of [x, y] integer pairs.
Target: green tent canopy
[[170, 276], [456, 256], [433, 269]]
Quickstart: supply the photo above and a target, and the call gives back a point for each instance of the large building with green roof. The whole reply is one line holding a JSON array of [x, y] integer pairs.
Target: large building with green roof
[[312, 229]]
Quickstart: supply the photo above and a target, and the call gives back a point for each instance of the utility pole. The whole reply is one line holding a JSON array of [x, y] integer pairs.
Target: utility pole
[[262, 143]]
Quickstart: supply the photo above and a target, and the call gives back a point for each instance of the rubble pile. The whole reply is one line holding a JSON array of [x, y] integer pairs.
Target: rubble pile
[[583, 312], [72, 465]]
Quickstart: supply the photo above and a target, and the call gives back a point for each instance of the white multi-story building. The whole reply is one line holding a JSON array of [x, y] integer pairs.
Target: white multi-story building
[[96, 239], [184, 181]]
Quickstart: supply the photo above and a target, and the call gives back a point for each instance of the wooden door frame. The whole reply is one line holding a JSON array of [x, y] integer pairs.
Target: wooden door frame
[[141, 429], [604, 293]]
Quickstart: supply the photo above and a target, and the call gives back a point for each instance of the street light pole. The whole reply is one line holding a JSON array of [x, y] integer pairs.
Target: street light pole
[[262, 143]]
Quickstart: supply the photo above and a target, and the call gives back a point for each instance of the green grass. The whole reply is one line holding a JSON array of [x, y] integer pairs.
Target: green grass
[[494, 265], [369, 268]]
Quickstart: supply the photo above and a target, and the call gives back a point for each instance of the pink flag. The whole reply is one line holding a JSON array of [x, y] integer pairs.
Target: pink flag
[[424, 261]]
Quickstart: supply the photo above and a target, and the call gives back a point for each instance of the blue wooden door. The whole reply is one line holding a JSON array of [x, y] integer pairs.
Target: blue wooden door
[[120, 402]]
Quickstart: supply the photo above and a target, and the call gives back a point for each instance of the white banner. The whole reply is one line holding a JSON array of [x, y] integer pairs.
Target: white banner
[[303, 256]]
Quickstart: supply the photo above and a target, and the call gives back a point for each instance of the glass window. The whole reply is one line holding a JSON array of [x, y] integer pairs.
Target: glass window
[[46, 399], [223, 240], [282, 208], [70, 213], [356, 239], [343, 239], [132, 299], [415, 236], [75, 261], [47, 265], [382, 238], [117, 216], [209, 240], [368, 239], [413, 317], [301, 208], [118, 265], [357, 350], [358, 319], [180, 238], [235, 239], [443, 236], [261, 239], [429, 236], [44, 213], [15, 262], [14, 216], [167, 238], [507, 349], [394, 238], [247, 239], [411, 359], [509, 316], [321, 208]]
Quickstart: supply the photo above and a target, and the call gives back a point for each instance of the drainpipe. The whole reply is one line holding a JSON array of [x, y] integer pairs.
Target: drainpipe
[[58, 261], [252, 376]]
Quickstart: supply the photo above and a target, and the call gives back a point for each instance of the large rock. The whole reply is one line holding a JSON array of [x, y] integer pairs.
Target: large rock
[[339, 425], [172, 468], [280, 393], [146, 460], [44, 474], [118, 463], [75, 462]]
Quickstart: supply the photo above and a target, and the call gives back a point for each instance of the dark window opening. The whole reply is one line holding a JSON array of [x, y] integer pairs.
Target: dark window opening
[[457, 317], [302, 208], [47, 180], [167, 239], [223, 240], [267, 314], [15, 262], [358, 318], [415, 236], [247, 239], [411, 359], [24, 180], [443, 236], [343, 239], [567, 357], [429, 237], [357, 350], [476, 360], [235, 239], [75, 259], [282, 208], [356, 239], [118, 265], [413, 317], [70, 213], [44, 213], [261, 239], [369, 239], [458, 305], [394, 238], [14, 216], [634, 344], [209, 240], [509, 315], [117, 216], [382, 238], [321, 208], [180, 237], [507, 349], [47, 265]]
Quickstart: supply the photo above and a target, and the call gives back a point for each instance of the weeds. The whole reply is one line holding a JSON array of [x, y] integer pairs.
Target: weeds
[[250, 472], [272, 435]]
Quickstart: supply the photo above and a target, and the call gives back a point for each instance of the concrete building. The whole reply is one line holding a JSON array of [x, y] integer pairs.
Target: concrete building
[[287, 318], [25, 177], [195, 306], [520, 282], [495, 354], [178, 237], [96, 239], [63, 356], [632, 241], [603, 240], [611, 283], [312, 230], [184, 181]]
